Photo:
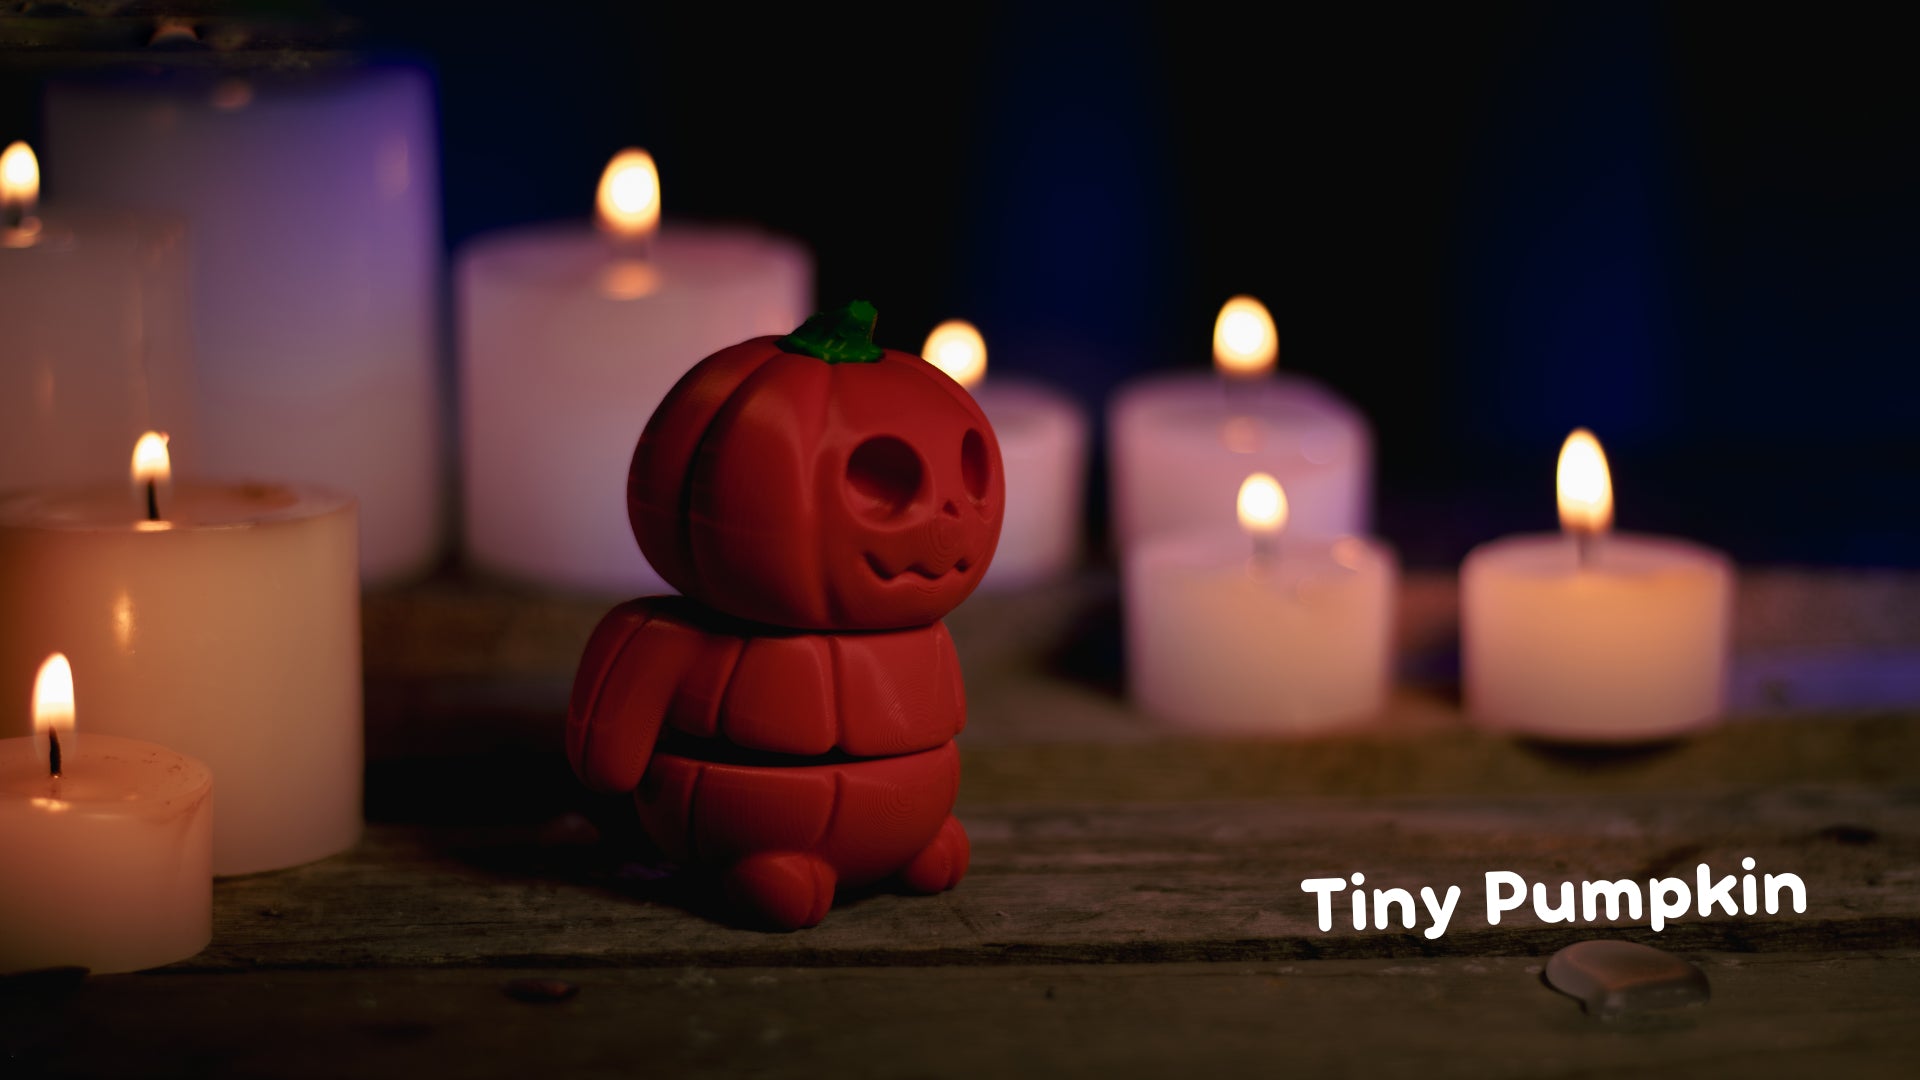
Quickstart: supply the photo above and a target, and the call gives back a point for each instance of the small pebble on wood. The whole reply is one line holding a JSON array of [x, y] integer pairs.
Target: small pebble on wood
[[1616, 978], [541, 990]]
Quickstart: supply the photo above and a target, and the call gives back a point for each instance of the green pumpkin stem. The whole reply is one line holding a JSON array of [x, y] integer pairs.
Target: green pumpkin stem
[[843, 335]]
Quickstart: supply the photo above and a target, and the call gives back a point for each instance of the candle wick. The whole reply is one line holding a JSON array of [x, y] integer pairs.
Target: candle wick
[[1237, 392], [1266, 546], [53, 754], [1585, 541], [153, 500], [634, 246]]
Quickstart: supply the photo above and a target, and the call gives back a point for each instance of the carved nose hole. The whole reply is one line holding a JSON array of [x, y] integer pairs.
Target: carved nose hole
[[973, 464], [949, 509]]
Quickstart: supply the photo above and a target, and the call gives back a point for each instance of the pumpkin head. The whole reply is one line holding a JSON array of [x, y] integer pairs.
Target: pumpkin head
[[819, 481]]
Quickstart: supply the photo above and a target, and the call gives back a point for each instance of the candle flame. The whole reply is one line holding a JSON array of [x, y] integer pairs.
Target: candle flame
[[151, 472], [53, 696], [1584, 485], [1262, 505], [957, 348], [19, 178], [174, 31], [1245, 344], [150, 461], [628, 203]]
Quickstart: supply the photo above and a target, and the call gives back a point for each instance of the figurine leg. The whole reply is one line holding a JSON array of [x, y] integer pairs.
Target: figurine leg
[[942, 863], [790, 890]]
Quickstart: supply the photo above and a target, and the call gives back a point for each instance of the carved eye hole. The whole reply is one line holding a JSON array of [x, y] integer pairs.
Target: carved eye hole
[[884, 474], [976, 472]]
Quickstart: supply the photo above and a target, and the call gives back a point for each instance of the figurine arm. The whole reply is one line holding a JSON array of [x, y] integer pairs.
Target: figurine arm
[[628, 675]]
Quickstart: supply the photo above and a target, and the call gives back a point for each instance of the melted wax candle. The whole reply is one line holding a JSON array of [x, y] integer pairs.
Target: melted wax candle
[[1256, 632], [107, 844], [219, 619], [1181, 444], [1589, 635], [569, 338]]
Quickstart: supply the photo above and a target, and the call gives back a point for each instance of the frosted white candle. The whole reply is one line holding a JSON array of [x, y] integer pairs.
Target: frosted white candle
[[95, 315], [569, 337], [108, 864], [1291, 634], [1180, 444], [229, 631], [313, 201], [1593, 636], [1043, 447]]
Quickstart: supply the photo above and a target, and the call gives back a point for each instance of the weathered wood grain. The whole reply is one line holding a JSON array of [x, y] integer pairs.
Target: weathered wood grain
[[1134, 906], [1414, 754], [1772, 1015], [1102, 882], [509, 766]]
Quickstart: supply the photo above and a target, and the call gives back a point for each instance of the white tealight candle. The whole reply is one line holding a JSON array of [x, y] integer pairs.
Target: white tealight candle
[[220, 620], [313, 199], [1043, 447], [106, 843], [569, 337], [1592, 636], [1181, 443], [96, 334], [1256, 632]]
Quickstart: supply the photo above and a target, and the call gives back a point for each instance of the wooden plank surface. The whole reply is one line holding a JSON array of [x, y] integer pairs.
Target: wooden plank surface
[[1771, 1015], [1101, 882], [1134, 906]]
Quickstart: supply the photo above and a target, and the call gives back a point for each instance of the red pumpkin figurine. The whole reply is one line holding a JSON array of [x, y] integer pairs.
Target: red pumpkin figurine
[[788, 722]]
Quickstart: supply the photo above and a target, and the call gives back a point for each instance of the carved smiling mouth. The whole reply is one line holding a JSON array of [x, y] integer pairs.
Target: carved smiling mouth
[[960, 566]]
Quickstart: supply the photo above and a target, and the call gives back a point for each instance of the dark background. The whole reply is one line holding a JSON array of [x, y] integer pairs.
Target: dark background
[[1690, 227]]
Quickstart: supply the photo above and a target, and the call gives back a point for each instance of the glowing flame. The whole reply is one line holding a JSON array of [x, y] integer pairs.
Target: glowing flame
[[151, 472], [1585, 487], [1244, 340], [628, 203], [150, 462], [53, 696], [19, 177], [1263, 506], [956, 348], [174, 32]]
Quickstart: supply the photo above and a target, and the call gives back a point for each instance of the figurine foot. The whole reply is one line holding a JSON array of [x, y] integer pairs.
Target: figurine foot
[[941, 864], [787, 889]]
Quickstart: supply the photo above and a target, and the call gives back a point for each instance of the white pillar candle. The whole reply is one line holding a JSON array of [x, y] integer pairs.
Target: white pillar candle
[[96, 320], [313, 202], [229, 630], [1043, 448], [1252, 632], [1592, 636], [1180, 444], [107, 864], [569, 337]]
